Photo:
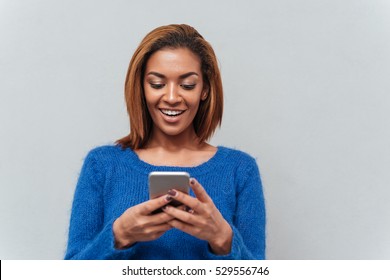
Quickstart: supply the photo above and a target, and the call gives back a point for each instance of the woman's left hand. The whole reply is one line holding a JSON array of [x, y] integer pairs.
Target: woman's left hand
[[203, 221]]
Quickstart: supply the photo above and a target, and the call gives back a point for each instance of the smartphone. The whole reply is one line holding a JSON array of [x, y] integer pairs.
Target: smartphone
[[161, 182]]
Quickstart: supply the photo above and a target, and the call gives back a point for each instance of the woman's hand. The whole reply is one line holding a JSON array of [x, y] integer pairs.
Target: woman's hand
[[203, 220], [137, 223]]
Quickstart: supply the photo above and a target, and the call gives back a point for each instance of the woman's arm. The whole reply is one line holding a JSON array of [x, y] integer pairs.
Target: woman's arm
[[89, 237], [249, 224]]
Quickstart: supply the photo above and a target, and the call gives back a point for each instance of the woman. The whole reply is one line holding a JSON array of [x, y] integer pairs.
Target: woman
[[174, 99]]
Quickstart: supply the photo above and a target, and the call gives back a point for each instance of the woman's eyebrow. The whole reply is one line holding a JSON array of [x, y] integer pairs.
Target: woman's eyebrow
[[183, 76], [156, 74], [187, 75]]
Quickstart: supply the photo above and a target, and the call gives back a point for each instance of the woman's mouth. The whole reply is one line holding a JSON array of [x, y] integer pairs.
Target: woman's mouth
[[172, 116], [172, 113]]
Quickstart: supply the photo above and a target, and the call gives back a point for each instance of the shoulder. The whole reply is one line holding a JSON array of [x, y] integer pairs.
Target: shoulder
[[109, 150], [105, 155], [105, 158], [238, 156], [239, 160]]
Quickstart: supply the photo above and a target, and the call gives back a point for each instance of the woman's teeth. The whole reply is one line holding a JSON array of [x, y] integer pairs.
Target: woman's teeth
[[171, 113]]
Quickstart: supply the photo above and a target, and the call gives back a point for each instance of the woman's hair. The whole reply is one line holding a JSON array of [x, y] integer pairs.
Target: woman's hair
[[209, 114]]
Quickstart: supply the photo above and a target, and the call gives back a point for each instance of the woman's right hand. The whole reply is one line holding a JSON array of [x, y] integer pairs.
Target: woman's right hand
[[138, 224]]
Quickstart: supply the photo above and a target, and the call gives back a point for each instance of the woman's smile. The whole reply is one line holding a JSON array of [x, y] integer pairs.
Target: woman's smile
[[172, 116]]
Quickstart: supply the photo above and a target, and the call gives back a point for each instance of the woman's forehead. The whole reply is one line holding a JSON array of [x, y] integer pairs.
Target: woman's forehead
[[173, 62]]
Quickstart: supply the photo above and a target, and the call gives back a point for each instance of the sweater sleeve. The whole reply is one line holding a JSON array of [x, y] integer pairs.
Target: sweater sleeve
[[89, 236], [250, 218]]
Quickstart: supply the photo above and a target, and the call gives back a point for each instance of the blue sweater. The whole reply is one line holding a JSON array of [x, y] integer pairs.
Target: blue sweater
[[112, 180]]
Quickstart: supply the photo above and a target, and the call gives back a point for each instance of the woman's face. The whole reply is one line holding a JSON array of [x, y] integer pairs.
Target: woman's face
[[173, 87]]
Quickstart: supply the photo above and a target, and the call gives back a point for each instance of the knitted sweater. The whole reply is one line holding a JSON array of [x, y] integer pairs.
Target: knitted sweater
[[112, 180]]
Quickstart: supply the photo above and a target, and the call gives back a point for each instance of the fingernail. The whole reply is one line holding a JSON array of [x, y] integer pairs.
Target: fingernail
[[172, 192], [192, 181], [168, 198]]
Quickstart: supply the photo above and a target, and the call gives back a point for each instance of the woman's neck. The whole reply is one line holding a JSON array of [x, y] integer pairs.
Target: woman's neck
[[180, 150], [187, 140]]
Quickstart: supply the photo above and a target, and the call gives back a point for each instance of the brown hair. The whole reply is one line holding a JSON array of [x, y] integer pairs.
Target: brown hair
[[209, 114]]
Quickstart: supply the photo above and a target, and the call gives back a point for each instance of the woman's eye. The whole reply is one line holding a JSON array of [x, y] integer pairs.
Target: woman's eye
[[188, 87], [156, 86]]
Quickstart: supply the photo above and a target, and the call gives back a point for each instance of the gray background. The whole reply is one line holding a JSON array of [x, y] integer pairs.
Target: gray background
[[307, 93]]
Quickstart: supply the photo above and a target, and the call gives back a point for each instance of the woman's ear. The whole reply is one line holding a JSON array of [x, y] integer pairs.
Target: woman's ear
[[205, 94]]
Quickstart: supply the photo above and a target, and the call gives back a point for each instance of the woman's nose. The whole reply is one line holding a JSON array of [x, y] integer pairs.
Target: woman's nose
[[172, 95]]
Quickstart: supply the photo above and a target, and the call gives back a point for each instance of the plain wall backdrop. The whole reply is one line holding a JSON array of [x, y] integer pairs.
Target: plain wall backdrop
[[307, 92]]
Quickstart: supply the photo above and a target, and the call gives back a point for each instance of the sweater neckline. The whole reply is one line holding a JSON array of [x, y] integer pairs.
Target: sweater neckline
[[204, 167]]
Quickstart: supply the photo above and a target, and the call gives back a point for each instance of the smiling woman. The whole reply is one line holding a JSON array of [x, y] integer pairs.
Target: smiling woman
[[174, 99], [163, 40]]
